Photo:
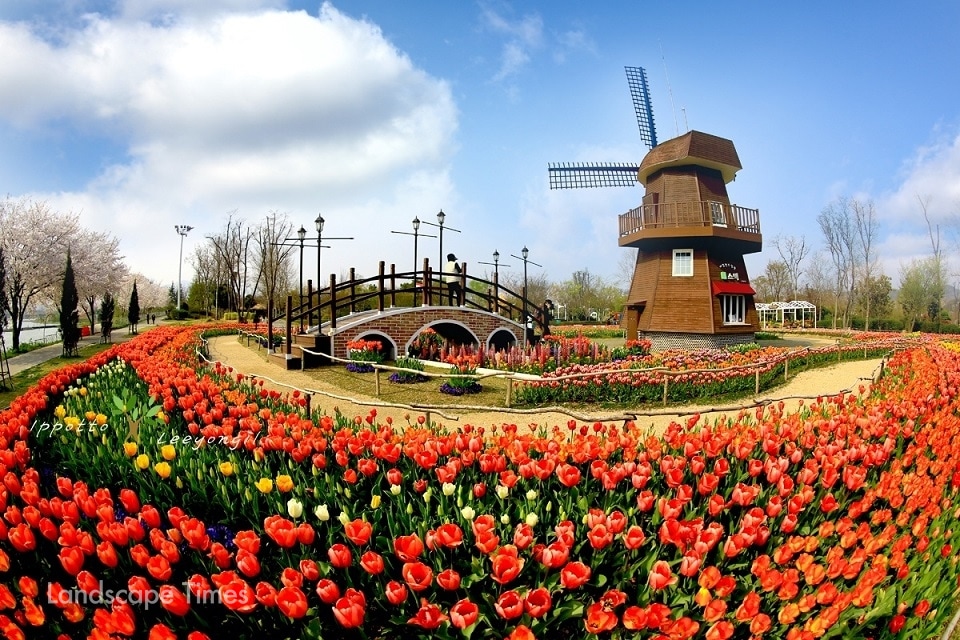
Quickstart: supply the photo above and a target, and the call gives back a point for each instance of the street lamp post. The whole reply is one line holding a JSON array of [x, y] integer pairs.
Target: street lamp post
[[416, 238], [525, 253], [319, 222], [183, 230], [301, 234], [496, 277], [441, 217]]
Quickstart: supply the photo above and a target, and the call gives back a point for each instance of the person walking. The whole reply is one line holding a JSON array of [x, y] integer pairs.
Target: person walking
[[451, 275]]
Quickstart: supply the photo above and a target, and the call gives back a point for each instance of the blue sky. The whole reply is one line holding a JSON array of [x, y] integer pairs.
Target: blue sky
[[142, 114]]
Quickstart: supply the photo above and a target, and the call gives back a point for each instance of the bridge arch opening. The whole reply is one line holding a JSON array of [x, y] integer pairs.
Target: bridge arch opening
[[388, 346], [501, 339], [454, 333]]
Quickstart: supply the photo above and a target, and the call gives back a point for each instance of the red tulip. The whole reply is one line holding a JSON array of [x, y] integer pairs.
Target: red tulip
[[372, 562], [282, 531], [266, 594], [660, 576], [358, 532], [408, 548], [574, 575], [599, 619], [417, 575], [174, 600], [159, 568], [429, 616], [71, 558], [396, 592], [537, 602], [463, 614], [328, 591], [509, 605], [340, 556], [448, 580], [350, 609], [449, 535], [292, 602], [247, 563]]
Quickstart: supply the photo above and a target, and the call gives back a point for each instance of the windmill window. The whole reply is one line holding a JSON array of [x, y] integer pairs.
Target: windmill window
[[683, 262], [717, 214], [733, 309]]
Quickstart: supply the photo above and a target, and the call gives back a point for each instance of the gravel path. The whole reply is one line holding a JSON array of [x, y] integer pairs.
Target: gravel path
[[832, 380]]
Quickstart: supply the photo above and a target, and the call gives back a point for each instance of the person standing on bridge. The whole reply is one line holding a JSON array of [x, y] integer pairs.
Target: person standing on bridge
[[451, 275]]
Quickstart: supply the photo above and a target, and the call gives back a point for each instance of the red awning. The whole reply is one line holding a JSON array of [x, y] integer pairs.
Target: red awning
[[732, 287]]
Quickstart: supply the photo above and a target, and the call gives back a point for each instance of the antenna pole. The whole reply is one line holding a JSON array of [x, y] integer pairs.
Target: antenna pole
[[676, 124]]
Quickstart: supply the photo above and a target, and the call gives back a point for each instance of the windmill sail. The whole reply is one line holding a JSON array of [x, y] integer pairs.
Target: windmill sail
[[640, 92], [577, 175]]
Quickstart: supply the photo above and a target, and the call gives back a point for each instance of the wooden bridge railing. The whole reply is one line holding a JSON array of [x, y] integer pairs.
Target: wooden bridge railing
[[390, 289]]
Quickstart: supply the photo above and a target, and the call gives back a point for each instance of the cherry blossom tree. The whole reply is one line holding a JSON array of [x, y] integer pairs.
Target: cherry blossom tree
[[34, 240], [99, 269]]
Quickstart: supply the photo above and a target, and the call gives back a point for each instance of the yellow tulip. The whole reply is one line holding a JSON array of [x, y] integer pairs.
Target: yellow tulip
[[90, 416], [60, 411], [143, 461], [226, 468], [130, 449], [168, 451], [101, 419], [72, 423], [265, 485], [284, 483], [162, 469], [83, 391]]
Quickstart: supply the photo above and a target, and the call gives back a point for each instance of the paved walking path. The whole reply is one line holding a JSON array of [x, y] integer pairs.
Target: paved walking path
[[832, 380], [24, 361]]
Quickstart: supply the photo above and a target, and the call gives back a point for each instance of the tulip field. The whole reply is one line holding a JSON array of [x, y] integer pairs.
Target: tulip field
[[146, 494]]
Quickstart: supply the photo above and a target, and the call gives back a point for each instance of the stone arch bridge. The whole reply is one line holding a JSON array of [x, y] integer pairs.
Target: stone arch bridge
[[394, 308]]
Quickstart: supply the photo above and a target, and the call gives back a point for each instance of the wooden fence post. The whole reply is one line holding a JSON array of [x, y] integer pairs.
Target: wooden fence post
[[380, 285], [307, 406], [756, 383], [377, 380], [509, 392], [786, 368], [289, 325], [666, 380], [333, 301]]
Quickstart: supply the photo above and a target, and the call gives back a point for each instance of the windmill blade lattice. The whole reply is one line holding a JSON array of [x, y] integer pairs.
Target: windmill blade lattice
[[577, 175], [640, 92]]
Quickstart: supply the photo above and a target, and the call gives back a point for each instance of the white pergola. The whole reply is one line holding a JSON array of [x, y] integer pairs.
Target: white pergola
[[795, 311]]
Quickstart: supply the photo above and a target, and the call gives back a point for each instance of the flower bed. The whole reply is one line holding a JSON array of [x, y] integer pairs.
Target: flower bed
[[838, 520]]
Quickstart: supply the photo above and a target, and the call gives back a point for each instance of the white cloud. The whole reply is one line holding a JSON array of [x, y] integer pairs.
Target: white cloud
[[523, 36], [247, 110], [931, 175]]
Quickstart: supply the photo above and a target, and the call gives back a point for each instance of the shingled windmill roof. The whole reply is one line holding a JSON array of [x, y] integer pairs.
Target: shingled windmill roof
[[693, 147]]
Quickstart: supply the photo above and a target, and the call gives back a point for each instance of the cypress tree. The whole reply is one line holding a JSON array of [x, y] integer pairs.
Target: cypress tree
[[107, 308], [133, 313], [69, 316]]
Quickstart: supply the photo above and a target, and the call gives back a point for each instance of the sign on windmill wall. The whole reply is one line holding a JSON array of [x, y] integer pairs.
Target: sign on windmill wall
[[729, 272]]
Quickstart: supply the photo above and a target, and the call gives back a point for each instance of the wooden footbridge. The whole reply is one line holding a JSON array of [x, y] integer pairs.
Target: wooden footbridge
[[394, 308]]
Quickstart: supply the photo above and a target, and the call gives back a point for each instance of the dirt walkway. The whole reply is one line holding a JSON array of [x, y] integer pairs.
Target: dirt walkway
[[846, 376]]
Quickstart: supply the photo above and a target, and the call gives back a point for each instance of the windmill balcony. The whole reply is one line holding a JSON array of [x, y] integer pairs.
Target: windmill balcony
[[697, 219]]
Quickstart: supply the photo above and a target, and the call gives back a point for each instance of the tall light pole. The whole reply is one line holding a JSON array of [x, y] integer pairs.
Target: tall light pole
[[318, 223], [441, 217], [301, 235], [496, 276], [525, 253], [183, 230], [416, 238]]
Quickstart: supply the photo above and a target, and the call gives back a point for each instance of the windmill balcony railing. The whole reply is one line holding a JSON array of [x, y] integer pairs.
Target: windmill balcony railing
[[703, 213]]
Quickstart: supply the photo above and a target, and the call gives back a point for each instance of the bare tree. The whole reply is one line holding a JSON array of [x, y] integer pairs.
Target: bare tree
[[836, 224], [774, 283], [792, 252], [273, 258], [937, 268], [819, 282], [232, 247], [866, 225]]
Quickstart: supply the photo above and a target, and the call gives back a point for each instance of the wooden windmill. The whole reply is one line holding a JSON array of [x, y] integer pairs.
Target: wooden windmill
[[690, 287]]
